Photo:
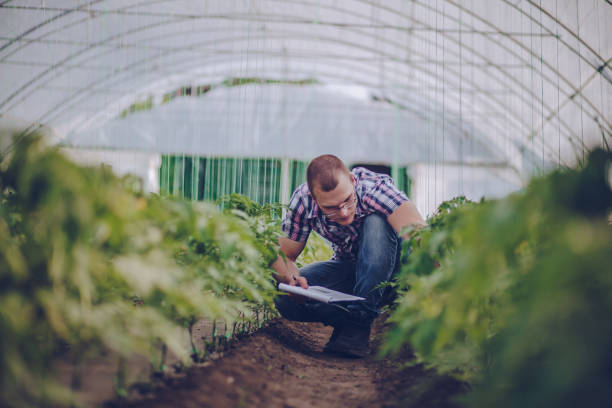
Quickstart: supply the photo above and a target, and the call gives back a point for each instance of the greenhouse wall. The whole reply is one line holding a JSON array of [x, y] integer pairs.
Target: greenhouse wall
[[262, 180], [202, 178]]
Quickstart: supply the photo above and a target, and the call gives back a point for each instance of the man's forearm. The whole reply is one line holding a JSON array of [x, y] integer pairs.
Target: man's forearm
[[406, 220], [286, 269]]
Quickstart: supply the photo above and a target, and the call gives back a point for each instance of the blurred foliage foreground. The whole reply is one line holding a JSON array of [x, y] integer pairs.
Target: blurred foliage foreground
[[90, 264], [515, 295]]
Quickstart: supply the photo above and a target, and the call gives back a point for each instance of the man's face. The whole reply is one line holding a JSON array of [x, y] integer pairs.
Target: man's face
[[338, 204]]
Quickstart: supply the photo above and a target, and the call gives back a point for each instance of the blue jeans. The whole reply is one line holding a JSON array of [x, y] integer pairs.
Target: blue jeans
[[377, 261]]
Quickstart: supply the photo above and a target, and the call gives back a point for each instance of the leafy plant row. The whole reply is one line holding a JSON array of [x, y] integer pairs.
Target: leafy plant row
[[515, 295], [90, 263]]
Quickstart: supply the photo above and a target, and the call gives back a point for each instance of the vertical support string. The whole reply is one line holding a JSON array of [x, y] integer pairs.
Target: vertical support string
[[542, 81], [601, 84], [558, 89], [460, 103], [437, 124], [473, 99], [531, 34], [444, 166], [580, 78]]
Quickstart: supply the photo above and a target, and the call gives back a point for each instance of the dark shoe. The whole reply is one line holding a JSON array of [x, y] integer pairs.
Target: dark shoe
[[330, 344], [351, 341]]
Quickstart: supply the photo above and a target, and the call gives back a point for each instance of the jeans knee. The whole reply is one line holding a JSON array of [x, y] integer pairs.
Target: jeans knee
[[378, 237], [378, 226], [283, 305]]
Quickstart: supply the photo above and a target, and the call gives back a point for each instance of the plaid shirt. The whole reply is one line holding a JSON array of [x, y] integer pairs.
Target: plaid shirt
[[375, 193]]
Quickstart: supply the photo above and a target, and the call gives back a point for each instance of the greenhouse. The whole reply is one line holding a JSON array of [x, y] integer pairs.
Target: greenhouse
[[152, 153]]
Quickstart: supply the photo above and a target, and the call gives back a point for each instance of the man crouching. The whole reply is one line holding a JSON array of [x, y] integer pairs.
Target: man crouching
[[361, 214]]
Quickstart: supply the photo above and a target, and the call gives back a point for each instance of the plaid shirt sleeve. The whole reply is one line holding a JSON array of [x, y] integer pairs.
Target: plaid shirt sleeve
[[382, 195], [295, 222]]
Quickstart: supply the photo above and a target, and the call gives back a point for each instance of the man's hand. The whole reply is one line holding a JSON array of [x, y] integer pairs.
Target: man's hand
[[288, 272], [299, 281], [292, 277], [285, 267]]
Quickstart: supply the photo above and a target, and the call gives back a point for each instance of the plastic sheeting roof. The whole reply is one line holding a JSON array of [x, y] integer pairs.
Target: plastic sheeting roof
[[301, 123], [529, 83]]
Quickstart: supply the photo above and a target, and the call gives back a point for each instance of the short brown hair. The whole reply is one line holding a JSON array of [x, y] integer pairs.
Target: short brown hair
[[324, 171]]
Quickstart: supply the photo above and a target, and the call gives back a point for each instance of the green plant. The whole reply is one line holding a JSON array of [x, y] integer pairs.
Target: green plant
[[513, 295], [89, 263]]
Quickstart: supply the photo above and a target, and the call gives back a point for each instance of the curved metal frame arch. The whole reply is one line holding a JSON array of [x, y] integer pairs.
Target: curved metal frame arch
[[428, 72], [136, 64], [229, 40], [84, 93], [549, 80], [140, 28], [343, 10]]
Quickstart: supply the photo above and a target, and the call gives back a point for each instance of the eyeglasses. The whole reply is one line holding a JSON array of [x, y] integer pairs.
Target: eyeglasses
[[335, 211]]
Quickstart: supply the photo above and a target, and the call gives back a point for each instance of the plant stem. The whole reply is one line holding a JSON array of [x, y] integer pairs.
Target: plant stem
[[120, 380]]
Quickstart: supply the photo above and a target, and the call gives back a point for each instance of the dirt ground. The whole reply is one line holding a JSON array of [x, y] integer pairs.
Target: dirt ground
[[283, 365]]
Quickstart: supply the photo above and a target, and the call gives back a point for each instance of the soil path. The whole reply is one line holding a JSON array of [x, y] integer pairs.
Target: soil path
[[283, 365]]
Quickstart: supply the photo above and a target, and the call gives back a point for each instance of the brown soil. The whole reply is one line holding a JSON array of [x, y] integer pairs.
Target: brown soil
[[283, 365]]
